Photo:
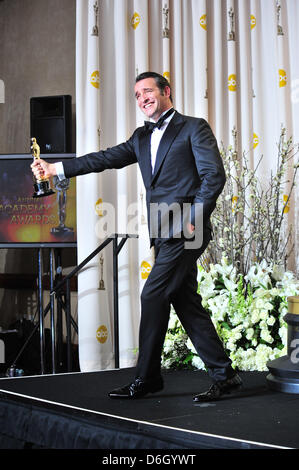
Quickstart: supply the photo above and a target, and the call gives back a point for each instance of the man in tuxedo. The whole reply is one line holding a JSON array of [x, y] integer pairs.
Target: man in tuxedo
[[180, 165]]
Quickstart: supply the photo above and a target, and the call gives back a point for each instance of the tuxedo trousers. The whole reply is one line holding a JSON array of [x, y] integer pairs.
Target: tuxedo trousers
[[173, 281]]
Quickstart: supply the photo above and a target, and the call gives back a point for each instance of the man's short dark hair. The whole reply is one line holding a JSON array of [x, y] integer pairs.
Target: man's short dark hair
[[161, 81]]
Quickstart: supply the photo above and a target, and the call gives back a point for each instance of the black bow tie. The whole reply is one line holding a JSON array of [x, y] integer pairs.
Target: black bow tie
[[150, 126]]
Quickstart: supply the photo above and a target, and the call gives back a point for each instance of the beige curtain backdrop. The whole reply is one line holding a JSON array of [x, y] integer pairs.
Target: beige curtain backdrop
[[232, 62]]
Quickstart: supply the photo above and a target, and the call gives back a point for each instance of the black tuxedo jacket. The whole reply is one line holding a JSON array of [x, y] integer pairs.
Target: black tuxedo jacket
[[188, 166]]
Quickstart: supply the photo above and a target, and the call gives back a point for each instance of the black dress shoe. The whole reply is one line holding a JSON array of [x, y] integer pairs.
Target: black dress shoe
[[220, 389], [137, 389]]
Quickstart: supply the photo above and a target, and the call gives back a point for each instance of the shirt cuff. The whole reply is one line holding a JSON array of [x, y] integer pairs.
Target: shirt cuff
[[60, 171]]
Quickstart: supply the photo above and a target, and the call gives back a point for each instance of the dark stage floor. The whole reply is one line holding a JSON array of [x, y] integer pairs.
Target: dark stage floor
[[74, 411]]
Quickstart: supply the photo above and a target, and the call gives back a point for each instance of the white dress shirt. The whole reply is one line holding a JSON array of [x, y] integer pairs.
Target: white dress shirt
[[157, 136], [60, 171]]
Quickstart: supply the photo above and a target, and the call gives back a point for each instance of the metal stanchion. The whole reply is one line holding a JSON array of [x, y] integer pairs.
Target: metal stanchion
[[116, 249], [41, 311], [52, 313], [59, 330], [115, 302], [68, 325]]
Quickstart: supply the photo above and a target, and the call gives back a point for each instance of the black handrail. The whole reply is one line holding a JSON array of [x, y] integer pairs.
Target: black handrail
[[66, 282]]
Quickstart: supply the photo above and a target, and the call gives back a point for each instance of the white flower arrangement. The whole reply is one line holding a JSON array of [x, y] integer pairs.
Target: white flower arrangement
[[247, 313]]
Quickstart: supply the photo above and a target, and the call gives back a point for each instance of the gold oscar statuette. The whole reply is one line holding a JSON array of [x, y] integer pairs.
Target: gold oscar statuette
[[41, 186]]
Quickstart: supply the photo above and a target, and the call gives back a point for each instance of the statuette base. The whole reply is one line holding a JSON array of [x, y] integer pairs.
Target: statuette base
[[42, 189]]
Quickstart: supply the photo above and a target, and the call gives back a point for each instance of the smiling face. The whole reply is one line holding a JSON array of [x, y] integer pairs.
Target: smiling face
[[150, 99]]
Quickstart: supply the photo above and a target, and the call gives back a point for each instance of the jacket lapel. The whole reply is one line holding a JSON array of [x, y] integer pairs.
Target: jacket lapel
[[169, 135], [145, 160]]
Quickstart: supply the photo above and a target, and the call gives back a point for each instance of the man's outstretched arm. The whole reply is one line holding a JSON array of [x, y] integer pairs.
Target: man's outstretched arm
[[118, 156]]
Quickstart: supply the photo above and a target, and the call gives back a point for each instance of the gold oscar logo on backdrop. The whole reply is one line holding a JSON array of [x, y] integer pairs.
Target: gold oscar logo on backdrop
[[145, 269], [102, 334], [135, 20], [286, 204], [234, 203], [255, 140], [282, 77], [203, 21], [99, 207], [252, 21], [232, 82], [167, 76], [95, 79]]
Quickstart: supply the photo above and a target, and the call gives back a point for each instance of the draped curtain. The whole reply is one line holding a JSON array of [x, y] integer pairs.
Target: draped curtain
[[232, 62]]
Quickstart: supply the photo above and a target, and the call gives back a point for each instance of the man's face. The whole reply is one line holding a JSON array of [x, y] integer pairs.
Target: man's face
[[149, 98]]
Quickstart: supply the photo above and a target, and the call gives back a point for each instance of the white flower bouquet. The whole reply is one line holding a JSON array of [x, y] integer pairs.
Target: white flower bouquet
[[247, 313]]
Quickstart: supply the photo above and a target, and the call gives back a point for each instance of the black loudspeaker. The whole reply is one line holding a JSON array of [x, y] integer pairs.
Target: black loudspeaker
[[51, 123]]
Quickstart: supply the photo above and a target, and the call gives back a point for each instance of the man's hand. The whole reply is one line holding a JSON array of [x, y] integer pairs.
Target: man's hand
[[42, 169]]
